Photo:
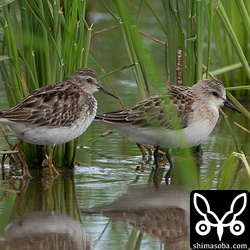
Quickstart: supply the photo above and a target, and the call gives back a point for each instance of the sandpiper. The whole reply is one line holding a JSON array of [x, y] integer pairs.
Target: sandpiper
[[180, 117], [57, 113]]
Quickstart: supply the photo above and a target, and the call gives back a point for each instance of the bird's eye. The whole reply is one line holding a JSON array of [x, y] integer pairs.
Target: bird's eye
[[215, 93], [90, 80]]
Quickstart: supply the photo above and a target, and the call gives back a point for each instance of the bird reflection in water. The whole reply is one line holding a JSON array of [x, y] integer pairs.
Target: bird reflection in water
[[45, 230], [162, 213]]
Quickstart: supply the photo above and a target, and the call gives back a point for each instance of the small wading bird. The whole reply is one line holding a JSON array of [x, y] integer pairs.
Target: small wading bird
[[180, 117], [57, 113]]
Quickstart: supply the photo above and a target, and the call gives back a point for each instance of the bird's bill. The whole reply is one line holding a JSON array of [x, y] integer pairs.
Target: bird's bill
[[101, 89], [231, 106]]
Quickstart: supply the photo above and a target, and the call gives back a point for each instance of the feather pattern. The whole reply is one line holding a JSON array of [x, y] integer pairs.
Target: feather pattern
[[180, 117], [54, 105], [57, 113], [169, 110]]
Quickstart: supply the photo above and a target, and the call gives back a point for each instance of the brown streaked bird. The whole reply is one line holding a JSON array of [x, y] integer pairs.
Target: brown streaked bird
[[180, 117], [57, 113]]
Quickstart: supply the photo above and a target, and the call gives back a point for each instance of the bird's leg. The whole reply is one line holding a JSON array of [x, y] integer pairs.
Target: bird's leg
[[144, 155], [168, 155], [50, 161], [171, 165], [25, 168], [155, 177], [156, 157]]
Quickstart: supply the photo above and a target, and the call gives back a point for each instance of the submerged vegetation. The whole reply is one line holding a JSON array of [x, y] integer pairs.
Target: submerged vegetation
[[45, 41]]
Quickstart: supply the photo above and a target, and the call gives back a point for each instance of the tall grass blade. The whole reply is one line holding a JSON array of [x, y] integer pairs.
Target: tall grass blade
[[233, 38], [38, 45]]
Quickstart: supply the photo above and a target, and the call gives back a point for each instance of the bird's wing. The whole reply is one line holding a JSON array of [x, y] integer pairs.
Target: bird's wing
[[48, 106], [169, 110]]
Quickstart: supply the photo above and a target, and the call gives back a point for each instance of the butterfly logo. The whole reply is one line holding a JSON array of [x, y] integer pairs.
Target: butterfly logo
[[203, 227]]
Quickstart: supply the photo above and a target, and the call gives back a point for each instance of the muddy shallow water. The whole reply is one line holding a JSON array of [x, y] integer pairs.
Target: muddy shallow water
[[98, 192]]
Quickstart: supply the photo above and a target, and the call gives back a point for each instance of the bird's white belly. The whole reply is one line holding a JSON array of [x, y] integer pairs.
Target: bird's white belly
[[191, 136], [50, 135]]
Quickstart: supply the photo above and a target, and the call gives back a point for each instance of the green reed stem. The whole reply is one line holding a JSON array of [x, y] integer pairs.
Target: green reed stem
[[45, 45], [191, 37], [232, 133], [172, 42], [242, 6], [226, 69], [233, 38], [11, 46], [210, 36], [87, 47], [200, 35], [226, 174], [134, 47], [50, 41]]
